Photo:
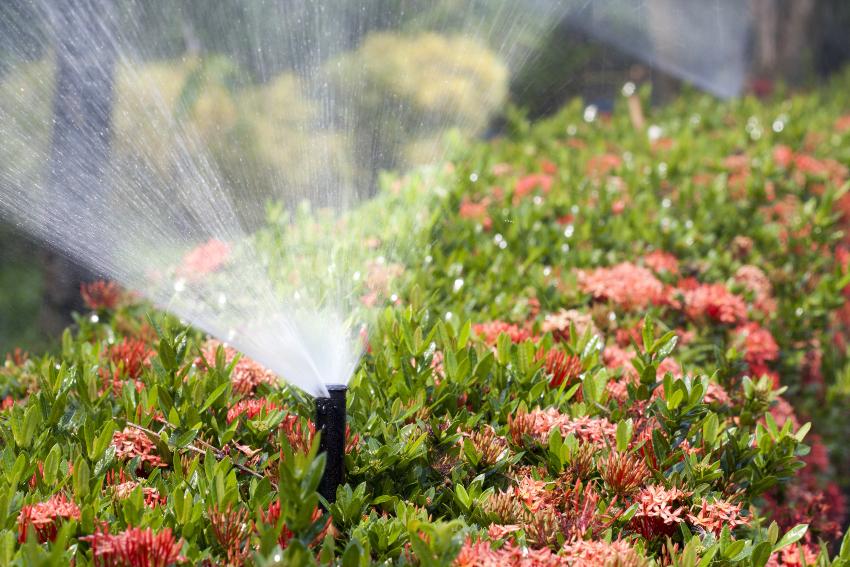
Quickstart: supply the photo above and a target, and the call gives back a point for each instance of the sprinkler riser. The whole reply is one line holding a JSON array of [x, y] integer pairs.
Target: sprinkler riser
[[331, 421]]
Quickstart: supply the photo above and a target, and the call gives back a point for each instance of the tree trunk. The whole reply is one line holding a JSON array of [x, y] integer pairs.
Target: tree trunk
[[79, 154]]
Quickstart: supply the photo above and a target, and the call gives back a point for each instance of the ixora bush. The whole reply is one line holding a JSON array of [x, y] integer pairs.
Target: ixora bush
[[604, 346]]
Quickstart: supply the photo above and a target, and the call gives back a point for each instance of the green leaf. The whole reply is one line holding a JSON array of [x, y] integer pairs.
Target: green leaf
[[51, 464], [761, 554], [709, 428], [214, 396], [81, 478], [624, 435], [791, 536]]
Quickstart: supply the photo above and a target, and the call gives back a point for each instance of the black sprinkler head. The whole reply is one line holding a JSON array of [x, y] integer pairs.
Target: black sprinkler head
[[330, 421]]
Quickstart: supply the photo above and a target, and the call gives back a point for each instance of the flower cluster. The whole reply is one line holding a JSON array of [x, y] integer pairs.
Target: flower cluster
[[43, 518], [134, 546]]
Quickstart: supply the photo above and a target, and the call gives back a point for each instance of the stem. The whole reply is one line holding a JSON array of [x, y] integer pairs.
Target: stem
[[217, 452]]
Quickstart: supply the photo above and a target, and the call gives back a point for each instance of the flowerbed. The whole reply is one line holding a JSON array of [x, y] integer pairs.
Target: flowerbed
[[604, 348]]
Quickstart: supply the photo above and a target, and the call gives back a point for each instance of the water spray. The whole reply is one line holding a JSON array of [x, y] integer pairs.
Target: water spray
[[330, 421]]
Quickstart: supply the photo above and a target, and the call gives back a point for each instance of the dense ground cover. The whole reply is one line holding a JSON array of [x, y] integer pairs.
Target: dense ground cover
[[604, 340]]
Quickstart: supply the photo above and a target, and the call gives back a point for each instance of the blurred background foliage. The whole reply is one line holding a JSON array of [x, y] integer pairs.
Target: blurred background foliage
[[259, 128]]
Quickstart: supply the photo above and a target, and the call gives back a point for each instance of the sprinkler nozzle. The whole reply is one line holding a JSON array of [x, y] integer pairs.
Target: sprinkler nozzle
[[330, 421]]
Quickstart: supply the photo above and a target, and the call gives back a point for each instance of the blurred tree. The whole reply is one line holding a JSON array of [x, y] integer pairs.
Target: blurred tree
[[782, 37]]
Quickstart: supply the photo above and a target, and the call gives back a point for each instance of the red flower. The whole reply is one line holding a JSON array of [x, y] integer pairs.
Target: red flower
[[590, 553], [134, 547], [599, 166], [300, 437], [714, 516], [529, 183], [100, 294], [660, 511], [45, 517], [232, 528], [204, 259], [623, 473], [251, 408], [795, 555], [715, 394], [151, 495], [783, 156], [559, 324], [782, 411], [128, 357], [490, 332], [548, 167], [476, 211], [561, 367], [246, 375], [272, 515], [715, 302], [759, 345], [480, 554], [538, 423], [659, 261], [132, 443], [17, 357], [627, 285]]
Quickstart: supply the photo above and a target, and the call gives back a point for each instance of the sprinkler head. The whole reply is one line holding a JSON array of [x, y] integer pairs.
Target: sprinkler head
[[330, 421]]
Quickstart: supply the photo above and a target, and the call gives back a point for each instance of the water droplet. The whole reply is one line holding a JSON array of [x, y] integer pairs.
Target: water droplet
[[94, 318], [654, 132], [458, 284], [448, 316]]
